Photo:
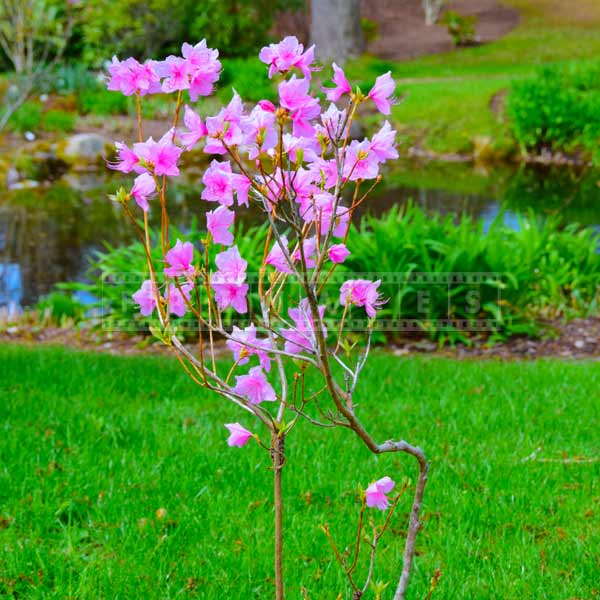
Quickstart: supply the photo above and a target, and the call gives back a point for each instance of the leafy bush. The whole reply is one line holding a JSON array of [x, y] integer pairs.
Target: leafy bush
[[156, 28], [26, 118], [101, 102], [31, 117], [58, 120], [60, 307], [249, 77], [71, 78], [558, 108], [370, 29], [460, 27], [542, 271]]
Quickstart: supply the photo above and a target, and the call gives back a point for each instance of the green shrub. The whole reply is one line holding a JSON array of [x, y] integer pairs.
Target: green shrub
[[558, 108], [58, 120], [545, 271], [156, 28], [60, 307], [250, 79], [370, 29], [26, 118], [70, 78], [541, 271], [101, 102], [460, 27]]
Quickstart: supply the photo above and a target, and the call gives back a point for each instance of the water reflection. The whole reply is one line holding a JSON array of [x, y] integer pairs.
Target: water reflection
[[48, 232]]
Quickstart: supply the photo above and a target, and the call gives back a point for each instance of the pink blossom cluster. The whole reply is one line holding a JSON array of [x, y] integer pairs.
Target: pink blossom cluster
[[303, 156], [197, 70]]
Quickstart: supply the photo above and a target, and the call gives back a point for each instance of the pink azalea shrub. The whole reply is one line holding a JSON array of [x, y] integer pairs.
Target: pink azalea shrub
[[296, 162]]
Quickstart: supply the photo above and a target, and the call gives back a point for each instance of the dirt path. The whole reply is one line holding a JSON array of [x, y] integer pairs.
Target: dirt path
[[403, 34], [578, 339]]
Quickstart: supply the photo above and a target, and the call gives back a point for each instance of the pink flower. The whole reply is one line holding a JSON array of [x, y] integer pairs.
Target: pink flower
[[382, 91], [127, 159], [176, 73], [220, 183], [309, 147], [309, 250], [338, 253], [319, 209], [361, 292], [239, 342], [254, 387], [286, 55], [218, 222], [160, 157], [298, 185], [177, 299], [225, 127], [180, 259], [267, 105], [238, 435], [341, 85], [376, 493], [201, 58], [360, 161], [294, 96], [326, 169], [196, 129], [232, 263], [228, 282], [145, 298], [130, 77], [204, 68], [143, 187], [302, 337], [334, 122], [259, 131], [276, 258], [383, 144]]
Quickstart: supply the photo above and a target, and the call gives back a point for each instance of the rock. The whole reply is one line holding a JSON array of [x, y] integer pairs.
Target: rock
[[88, 147], [29, 136], [83, 181], [12, 177], [24, 185], [579, 344], [401, 351]]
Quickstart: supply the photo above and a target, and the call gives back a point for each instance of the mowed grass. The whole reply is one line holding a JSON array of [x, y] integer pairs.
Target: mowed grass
[[448, 97], [92, 446]]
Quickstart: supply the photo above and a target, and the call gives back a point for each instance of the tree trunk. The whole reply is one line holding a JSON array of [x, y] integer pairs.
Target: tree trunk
[[278, 458], [336, 29], [432, 10]]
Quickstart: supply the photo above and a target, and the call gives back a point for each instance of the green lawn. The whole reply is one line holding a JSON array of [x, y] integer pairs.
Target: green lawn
[[92, 446], [447, 97]]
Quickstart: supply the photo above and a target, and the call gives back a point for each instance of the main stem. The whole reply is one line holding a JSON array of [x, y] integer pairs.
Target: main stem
[[278, 458], [414, 525]]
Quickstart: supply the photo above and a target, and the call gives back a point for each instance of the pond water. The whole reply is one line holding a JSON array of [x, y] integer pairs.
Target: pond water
[[48, 232]]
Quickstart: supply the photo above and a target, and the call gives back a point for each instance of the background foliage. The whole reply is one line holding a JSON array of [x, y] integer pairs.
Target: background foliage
[[557, 108], [156, 28], [544, 271]]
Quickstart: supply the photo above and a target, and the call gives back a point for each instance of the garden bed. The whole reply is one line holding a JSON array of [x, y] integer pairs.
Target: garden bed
[[576, 339]]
